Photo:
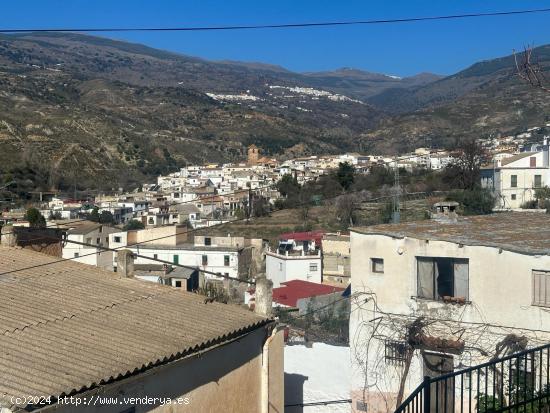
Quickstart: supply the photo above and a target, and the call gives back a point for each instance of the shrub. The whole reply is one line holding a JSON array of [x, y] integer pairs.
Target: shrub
[[474, 202]]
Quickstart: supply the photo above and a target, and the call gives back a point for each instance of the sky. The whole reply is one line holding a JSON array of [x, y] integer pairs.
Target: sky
[[442, 47]]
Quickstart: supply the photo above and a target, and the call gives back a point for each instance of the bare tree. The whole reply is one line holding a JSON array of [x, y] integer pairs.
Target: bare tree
[[346, 206], [464, 172], [530, 71]]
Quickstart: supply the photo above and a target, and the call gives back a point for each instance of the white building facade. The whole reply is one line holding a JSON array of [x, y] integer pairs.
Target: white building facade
[[518, 177], [298, 265], [449, 295], [95, 234]]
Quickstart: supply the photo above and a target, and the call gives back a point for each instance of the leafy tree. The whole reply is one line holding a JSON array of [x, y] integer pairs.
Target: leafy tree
[[542, 193], [106, 217], [345, 175], [133, 225], [377, 177], [35, 218], [94, 215], [261, 207], [288, 185]]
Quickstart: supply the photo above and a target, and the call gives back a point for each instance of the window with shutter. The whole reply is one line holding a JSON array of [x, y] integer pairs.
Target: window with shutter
[[541, 288], [426, 277], [439, 277]]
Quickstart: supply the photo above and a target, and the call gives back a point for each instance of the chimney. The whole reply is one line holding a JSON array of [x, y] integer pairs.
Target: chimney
[[264, 296], [7, 236], [125, 263]]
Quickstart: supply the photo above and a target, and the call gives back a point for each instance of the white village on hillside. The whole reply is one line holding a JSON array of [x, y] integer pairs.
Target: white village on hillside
[[228, 217]]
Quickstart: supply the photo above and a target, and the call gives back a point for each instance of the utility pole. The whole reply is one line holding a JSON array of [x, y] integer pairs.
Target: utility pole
[[396, 202]]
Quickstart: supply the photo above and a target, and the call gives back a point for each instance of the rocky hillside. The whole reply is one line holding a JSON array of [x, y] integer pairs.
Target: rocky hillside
[[486, 99], [77, 107], [92, 112]]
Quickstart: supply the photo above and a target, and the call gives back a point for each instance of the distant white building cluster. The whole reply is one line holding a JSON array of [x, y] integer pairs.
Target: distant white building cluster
[[520, 166]]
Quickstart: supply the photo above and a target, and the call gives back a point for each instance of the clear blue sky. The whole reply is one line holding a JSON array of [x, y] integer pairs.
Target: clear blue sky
[[401, 49]]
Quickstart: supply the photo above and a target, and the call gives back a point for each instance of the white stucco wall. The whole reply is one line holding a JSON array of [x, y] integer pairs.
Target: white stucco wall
[[90, 255], [281, 268], [500, 291], [191, 258]]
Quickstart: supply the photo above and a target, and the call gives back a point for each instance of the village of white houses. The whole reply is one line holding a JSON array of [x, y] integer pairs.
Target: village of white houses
[[207, 234]]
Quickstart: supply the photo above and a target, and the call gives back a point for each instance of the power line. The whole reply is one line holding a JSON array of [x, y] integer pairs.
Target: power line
[[320, 403], [175, 203], [281, 25], [190, 267]]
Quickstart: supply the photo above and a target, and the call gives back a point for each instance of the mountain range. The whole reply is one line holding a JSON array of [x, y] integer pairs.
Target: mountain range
[[75, 108]]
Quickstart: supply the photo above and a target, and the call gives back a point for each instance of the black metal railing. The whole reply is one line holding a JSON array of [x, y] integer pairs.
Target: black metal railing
[[518, 383]]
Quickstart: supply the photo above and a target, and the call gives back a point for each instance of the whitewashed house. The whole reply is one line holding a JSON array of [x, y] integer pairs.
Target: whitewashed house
[[170, 244], [432, 297], [93, 233], [516, 179]]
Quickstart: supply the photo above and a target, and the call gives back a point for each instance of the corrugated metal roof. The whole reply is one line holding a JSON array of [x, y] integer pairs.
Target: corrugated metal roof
[[67, 327]]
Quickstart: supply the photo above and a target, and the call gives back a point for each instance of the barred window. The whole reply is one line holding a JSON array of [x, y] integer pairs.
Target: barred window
[[395, 352]]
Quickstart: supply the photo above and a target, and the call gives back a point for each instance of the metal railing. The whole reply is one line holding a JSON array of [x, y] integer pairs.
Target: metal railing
[[518, 383]]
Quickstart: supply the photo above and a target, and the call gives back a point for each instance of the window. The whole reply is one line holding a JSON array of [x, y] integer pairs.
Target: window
[[151, 220], [205, 260], [280, 266], [538, 181], [176, 259], [207, 241], [533, 161], [442, 277], [98, 241], [76, 255], [541, 288], [106, 240], [395, 352], [226, 260], [226, 274], [377, 265], [117, 239], [313, 267], [155, 256], [88, 240], [177, 284], [513, 197], [514, 181]]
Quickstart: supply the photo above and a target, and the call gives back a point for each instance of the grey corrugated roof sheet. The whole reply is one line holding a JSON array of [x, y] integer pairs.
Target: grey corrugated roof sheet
[[67, 327], [522, 232]]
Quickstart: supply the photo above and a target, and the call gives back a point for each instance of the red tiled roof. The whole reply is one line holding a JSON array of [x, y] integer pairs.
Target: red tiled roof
[[304, 236], [296, 289]]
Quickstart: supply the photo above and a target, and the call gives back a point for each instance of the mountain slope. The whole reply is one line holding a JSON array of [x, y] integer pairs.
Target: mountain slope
[[446, 90], [93, 112], [105, 108], [486, 99]]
